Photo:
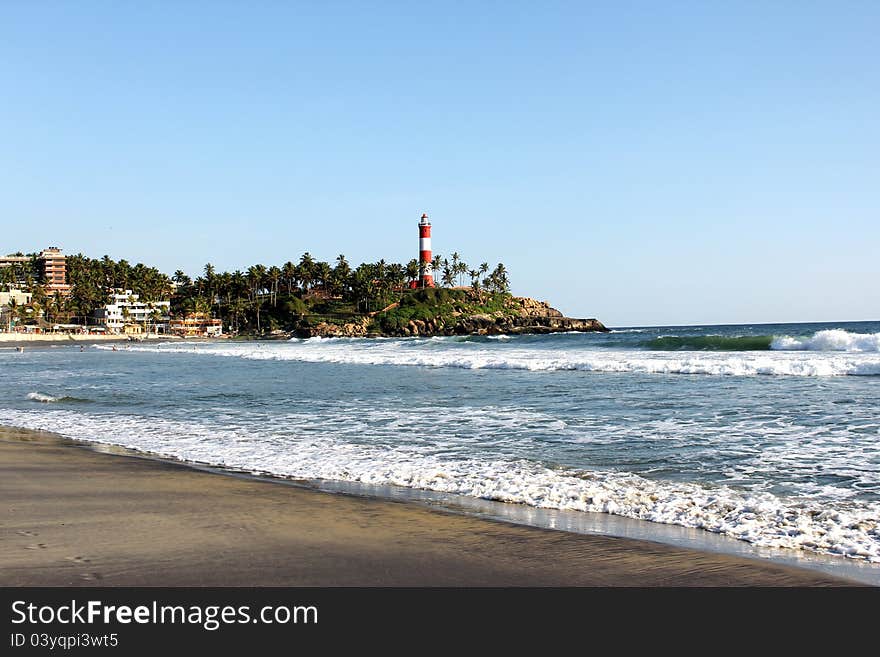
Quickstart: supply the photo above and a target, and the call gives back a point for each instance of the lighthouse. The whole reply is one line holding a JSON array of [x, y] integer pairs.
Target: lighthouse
[[426, 274]]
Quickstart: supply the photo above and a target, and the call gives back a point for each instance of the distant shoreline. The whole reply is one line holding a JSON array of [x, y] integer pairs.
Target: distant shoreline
[[12, 340]]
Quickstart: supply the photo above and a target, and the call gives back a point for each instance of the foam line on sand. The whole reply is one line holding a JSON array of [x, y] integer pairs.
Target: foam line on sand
[[73, 516]]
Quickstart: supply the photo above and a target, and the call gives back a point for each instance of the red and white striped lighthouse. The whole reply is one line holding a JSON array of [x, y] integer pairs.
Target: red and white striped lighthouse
[[426, 273]]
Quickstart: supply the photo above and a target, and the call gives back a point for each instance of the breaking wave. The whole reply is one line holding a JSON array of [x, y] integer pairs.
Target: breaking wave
[[830, 340], [506, 355], [50, 399]]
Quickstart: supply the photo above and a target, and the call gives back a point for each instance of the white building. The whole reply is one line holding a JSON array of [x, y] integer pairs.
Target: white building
[[125, 310], [8, 299], [18, 296]]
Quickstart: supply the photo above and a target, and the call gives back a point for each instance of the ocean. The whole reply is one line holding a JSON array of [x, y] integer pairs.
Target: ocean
[[766, 435]]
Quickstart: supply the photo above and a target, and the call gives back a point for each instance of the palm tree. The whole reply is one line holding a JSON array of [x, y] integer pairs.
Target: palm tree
[[340, 276], [155, 316], [236, 308], [239, 284], [209, 282], [306, 271], [24, 313], [322, 273], [396, 276], [123, 274], [499, 278], [288, 271], [475, 284], [412, 270], [274, 276], [181, 279], [436, 263], [361, 286], [460, 269], [448, 274], [54, 307], [256, 277], [13, 311]]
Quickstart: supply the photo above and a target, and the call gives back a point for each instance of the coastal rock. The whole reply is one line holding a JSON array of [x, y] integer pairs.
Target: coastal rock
[[527, 307], [520, 315], [555, 325], [353, 329]]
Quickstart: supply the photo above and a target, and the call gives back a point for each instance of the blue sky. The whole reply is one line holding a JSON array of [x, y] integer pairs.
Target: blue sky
[[640, 162]]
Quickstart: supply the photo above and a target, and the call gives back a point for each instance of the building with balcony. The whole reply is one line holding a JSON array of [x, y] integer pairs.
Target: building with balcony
[[53, 274], [14, 296], [126, 313], [48, 268], [196, 325]]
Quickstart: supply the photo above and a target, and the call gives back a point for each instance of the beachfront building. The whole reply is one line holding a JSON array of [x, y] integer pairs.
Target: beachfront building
[[49, 267], [11, 302], [53, 271], [126, 313], [15, 297], [15, 269], [196, 325]]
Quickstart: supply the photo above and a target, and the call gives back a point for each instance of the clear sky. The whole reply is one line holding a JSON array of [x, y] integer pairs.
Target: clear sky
[[641, 162]]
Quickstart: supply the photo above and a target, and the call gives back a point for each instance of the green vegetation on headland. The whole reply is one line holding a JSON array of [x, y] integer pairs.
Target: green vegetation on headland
[[312, 298], [442, 311]]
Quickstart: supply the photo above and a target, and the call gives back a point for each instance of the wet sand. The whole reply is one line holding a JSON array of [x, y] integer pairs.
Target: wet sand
[[73, 516]]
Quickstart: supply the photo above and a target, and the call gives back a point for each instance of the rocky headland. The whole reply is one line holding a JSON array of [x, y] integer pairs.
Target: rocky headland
[[437, 314]]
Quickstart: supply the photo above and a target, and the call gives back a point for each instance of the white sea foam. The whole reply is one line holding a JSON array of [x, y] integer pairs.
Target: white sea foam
[[830, 340], [409, 351], [843, 527], [40, 397]]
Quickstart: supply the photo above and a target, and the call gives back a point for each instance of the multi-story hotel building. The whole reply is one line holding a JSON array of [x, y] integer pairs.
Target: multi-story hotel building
[[21, 262], [52, 269], [126, 313]]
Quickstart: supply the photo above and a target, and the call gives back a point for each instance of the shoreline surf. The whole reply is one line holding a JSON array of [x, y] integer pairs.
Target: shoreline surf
[[775, 461], [605, 559]]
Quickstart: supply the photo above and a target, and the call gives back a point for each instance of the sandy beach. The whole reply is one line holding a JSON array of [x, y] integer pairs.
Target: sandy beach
[[39, 340], [73, 516]]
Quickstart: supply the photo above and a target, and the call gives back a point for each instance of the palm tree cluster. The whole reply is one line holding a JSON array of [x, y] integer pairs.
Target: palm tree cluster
[[480, 279], [21, 273], [94, 280], [25, 275], [241, 298]]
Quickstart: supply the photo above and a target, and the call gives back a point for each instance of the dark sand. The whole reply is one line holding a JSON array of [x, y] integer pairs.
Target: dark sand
[[72, 516]]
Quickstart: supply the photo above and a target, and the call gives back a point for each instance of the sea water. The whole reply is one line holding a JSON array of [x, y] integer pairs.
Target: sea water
[[769, 434]]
